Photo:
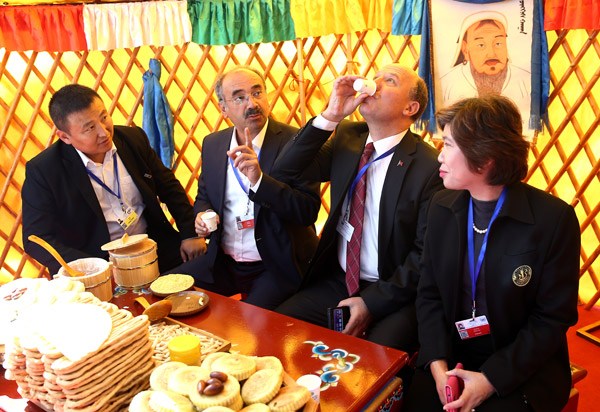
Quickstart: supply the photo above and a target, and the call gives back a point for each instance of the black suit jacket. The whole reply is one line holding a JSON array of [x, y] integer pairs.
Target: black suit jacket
[[60, 205], [411, 180], [528, 323], [284, 209]]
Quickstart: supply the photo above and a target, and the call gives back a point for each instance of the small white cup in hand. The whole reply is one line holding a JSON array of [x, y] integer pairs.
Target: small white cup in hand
[[313, 384], [366, 86], [210, 219]]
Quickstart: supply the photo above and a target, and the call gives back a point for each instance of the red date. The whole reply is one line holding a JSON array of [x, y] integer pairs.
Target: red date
[[201, 386], [222, 376], [213, 389]]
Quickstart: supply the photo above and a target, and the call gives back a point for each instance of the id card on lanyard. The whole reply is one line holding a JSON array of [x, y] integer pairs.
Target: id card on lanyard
[[476, 325], [344, 228], [129, 215], [245, 221]]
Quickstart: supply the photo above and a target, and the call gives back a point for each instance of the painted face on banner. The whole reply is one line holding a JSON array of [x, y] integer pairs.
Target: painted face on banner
[[484, 46]]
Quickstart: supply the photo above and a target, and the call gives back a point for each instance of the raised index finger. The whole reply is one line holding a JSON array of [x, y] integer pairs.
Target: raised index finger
[[247, 134]]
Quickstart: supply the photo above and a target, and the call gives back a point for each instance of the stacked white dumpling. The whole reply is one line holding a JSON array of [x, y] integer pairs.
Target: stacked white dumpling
[[79, 355]]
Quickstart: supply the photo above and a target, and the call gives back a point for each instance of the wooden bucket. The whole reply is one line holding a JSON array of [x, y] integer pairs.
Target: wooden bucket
[[135, 264], [97, 278]]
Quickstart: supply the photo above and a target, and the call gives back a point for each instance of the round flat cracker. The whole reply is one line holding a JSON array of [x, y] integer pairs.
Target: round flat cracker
[[168, 284], [237, 365], [159, 378], [228, 397], [289, 399], [262, 386]]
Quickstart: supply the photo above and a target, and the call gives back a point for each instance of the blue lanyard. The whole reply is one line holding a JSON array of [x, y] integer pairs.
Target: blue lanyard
[[363, 170], [237, 174], [103, 185], [474, 270]]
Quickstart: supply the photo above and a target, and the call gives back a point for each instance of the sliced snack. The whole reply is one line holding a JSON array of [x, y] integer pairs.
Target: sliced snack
[[236, 365], [290, 398], [165, 401], [159, 378], [262, 386], [181, 380]]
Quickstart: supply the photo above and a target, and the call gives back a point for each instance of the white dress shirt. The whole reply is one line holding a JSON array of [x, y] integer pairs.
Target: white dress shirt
[[109, 203], [240, 244], [375, 177]]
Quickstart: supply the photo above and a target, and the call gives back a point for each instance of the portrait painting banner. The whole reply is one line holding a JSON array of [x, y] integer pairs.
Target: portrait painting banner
[[483, 48]]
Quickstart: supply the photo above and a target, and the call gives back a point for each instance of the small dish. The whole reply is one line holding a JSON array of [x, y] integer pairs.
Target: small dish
[[188, 302]]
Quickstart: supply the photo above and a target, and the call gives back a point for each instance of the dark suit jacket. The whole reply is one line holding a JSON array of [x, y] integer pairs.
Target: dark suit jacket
[[528, 323], [60, 206], [411, 179], [284, 209]]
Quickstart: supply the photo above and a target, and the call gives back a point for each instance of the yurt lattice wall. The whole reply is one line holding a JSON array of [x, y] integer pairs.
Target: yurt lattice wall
[[564, 160]]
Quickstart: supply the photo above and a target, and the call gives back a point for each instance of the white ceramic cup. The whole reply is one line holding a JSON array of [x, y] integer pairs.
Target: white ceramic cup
[[366, 86], [313, 384], [210, 219]]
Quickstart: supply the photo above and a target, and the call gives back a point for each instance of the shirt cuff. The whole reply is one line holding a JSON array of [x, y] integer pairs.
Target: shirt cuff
[[322, 123], [255, 187]]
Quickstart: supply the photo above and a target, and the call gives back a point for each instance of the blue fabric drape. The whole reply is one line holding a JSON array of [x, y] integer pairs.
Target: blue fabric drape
[[407, 16], [540, 71], [157, 119], [427, 119]]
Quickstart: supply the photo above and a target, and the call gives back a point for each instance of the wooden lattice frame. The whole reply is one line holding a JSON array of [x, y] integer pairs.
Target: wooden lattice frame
[[564, 161]]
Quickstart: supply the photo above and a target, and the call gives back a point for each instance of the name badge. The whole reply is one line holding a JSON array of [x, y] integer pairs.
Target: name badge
[[472, 328], [128, 219], [345, 229], [244, 222]]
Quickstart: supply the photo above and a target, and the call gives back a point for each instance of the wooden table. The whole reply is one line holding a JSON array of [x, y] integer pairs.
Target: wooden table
[[360, 373]]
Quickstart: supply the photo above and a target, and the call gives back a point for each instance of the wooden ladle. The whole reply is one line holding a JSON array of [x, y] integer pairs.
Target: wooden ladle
[[70, 271], [157, 310]]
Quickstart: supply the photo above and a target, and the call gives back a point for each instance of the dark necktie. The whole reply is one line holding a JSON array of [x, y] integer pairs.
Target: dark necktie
[[357, 213]]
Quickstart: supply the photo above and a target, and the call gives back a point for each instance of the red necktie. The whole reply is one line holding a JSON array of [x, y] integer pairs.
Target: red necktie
[[357, 213]]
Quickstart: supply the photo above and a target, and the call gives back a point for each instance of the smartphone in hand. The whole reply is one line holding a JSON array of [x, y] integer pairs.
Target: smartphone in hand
[[337, 318], [454, 387]]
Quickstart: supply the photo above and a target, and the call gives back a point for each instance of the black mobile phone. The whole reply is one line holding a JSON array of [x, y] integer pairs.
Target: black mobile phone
[[338, 317]]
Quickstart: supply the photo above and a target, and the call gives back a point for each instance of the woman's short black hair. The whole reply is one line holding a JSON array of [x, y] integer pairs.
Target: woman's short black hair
[[489, 128]]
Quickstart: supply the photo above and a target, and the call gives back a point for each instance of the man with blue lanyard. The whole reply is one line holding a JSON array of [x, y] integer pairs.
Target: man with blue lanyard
[[265, 235], [382, 176], [98, 182]]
